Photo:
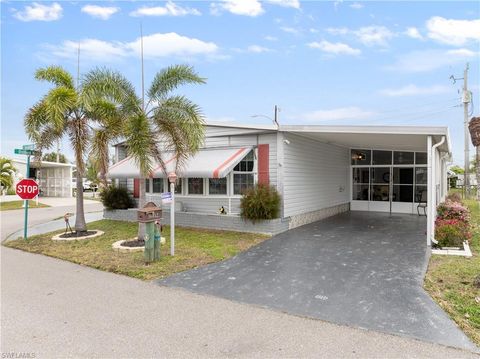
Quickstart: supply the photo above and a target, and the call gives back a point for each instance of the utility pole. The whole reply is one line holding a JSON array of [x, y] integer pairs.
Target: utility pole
[[466, 101]]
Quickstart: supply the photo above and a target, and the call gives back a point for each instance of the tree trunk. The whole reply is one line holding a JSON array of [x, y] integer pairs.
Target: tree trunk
[[478, 173], [80, 225], [141, 203]]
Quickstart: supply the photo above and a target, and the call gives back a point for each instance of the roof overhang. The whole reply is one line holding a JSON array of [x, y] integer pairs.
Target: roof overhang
[[408, 138], [44, 164]]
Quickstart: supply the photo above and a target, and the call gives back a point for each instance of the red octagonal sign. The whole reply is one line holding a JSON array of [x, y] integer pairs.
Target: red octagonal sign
[[27, 189]]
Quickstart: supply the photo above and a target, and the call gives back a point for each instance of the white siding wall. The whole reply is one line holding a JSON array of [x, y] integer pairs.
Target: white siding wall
[[315, 175]]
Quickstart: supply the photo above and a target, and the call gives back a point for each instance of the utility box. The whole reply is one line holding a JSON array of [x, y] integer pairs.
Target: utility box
[[149, 213]]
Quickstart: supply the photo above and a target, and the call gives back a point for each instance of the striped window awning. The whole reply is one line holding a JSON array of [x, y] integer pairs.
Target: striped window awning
[[208, 162]]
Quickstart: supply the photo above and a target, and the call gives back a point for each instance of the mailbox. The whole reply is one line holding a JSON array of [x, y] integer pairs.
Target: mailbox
[[149, 213]]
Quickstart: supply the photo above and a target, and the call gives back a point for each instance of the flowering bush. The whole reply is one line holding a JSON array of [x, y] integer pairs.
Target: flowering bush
[[452, 225], [451, 232], [453, 210]]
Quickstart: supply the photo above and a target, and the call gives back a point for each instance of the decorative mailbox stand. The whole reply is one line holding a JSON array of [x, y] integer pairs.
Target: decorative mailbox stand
[[151, 215]]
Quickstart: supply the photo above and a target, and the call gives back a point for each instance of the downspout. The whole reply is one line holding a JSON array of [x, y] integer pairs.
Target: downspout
[[433, 189]]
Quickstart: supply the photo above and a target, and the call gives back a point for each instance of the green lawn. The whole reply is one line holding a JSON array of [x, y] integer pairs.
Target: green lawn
[[449, 281], [8, 206], [193, 248]]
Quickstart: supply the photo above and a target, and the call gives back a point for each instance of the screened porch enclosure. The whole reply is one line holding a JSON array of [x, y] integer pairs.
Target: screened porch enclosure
[[385, 180]]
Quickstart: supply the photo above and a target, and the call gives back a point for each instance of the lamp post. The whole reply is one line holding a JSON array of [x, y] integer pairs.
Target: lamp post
[[172, 177]]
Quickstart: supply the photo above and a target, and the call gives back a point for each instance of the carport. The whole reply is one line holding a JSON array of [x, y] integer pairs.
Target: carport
[[362, 269], [384, 169]]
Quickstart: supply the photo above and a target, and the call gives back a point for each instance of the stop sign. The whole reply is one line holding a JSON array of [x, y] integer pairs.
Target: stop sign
[[27, 189]]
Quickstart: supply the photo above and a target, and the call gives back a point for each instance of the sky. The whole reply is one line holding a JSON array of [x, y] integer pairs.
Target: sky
[[321, 62]]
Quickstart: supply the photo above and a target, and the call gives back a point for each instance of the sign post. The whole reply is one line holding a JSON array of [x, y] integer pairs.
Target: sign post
[[26, 188], [172, 177]]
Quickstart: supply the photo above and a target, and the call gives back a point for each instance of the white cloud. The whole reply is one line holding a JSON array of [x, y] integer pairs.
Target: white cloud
[[258, 49], [155, 46], [413, 33], [170, 9], [238, 7], [290, 30], [286, 3], [40, 12], [414, 90], [338, 114], [101, 12], [374, 35], [453, 32], [336, 48], [337, 30], [356, 6], [429, 60], [270, 38]]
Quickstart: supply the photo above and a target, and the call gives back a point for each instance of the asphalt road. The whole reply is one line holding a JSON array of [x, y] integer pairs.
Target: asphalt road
[[53, 308]]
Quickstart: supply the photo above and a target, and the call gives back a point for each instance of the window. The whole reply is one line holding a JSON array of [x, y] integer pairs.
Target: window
[[421, 184], [403, 158], [147, 185], [361, 180], [361, 157], [382, 158], [244, 175], [157, 185], [178, 186], [195, 186], [122, 183], [380, 190], [217, 185], [420, 158]]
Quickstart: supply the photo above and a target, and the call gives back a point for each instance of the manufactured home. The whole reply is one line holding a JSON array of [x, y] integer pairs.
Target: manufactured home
[[319, 171]]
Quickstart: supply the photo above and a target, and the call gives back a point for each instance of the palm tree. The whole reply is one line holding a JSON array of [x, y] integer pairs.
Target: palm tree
[[69, 110], [6, 173], [165, 122]]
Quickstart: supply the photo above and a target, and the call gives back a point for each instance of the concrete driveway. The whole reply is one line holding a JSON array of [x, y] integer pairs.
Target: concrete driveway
[[360, 269]]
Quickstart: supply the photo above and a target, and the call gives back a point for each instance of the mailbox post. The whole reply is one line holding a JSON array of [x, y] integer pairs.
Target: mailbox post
[[150, 214]]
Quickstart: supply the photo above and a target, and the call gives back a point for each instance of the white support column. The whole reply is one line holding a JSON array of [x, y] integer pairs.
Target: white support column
[[430, 191], [280, 159]]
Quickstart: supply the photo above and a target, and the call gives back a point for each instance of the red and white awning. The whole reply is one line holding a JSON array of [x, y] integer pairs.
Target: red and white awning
[[208, 162]]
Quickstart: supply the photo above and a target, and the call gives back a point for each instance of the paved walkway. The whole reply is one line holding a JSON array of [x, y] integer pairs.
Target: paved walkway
[[58, 309], [361, 269]]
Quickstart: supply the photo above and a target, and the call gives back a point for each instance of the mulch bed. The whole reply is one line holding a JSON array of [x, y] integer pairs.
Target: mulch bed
[[77, 234], [135, 243]]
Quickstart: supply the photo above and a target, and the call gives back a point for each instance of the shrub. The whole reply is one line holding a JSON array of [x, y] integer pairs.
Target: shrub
[[454, 197], [259, 203], [453, 210], [116, 198], [451, 232]]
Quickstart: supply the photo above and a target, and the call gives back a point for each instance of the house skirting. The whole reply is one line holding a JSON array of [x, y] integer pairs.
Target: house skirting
[[208, 221], [309, 217]]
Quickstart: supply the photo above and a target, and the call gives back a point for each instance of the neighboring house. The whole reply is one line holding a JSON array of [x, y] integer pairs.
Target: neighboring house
[[54, 179], [471, 176], [318, 170]]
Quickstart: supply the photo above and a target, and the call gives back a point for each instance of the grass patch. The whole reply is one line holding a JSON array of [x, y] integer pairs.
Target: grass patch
[[449, 281], [11, 205], [193, 248]]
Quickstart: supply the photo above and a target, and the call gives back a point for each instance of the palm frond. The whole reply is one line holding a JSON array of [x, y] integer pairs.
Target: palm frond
[[55, 75], [58, 104], [79, 134], [108, 85], [140, 142], [171, 78]]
